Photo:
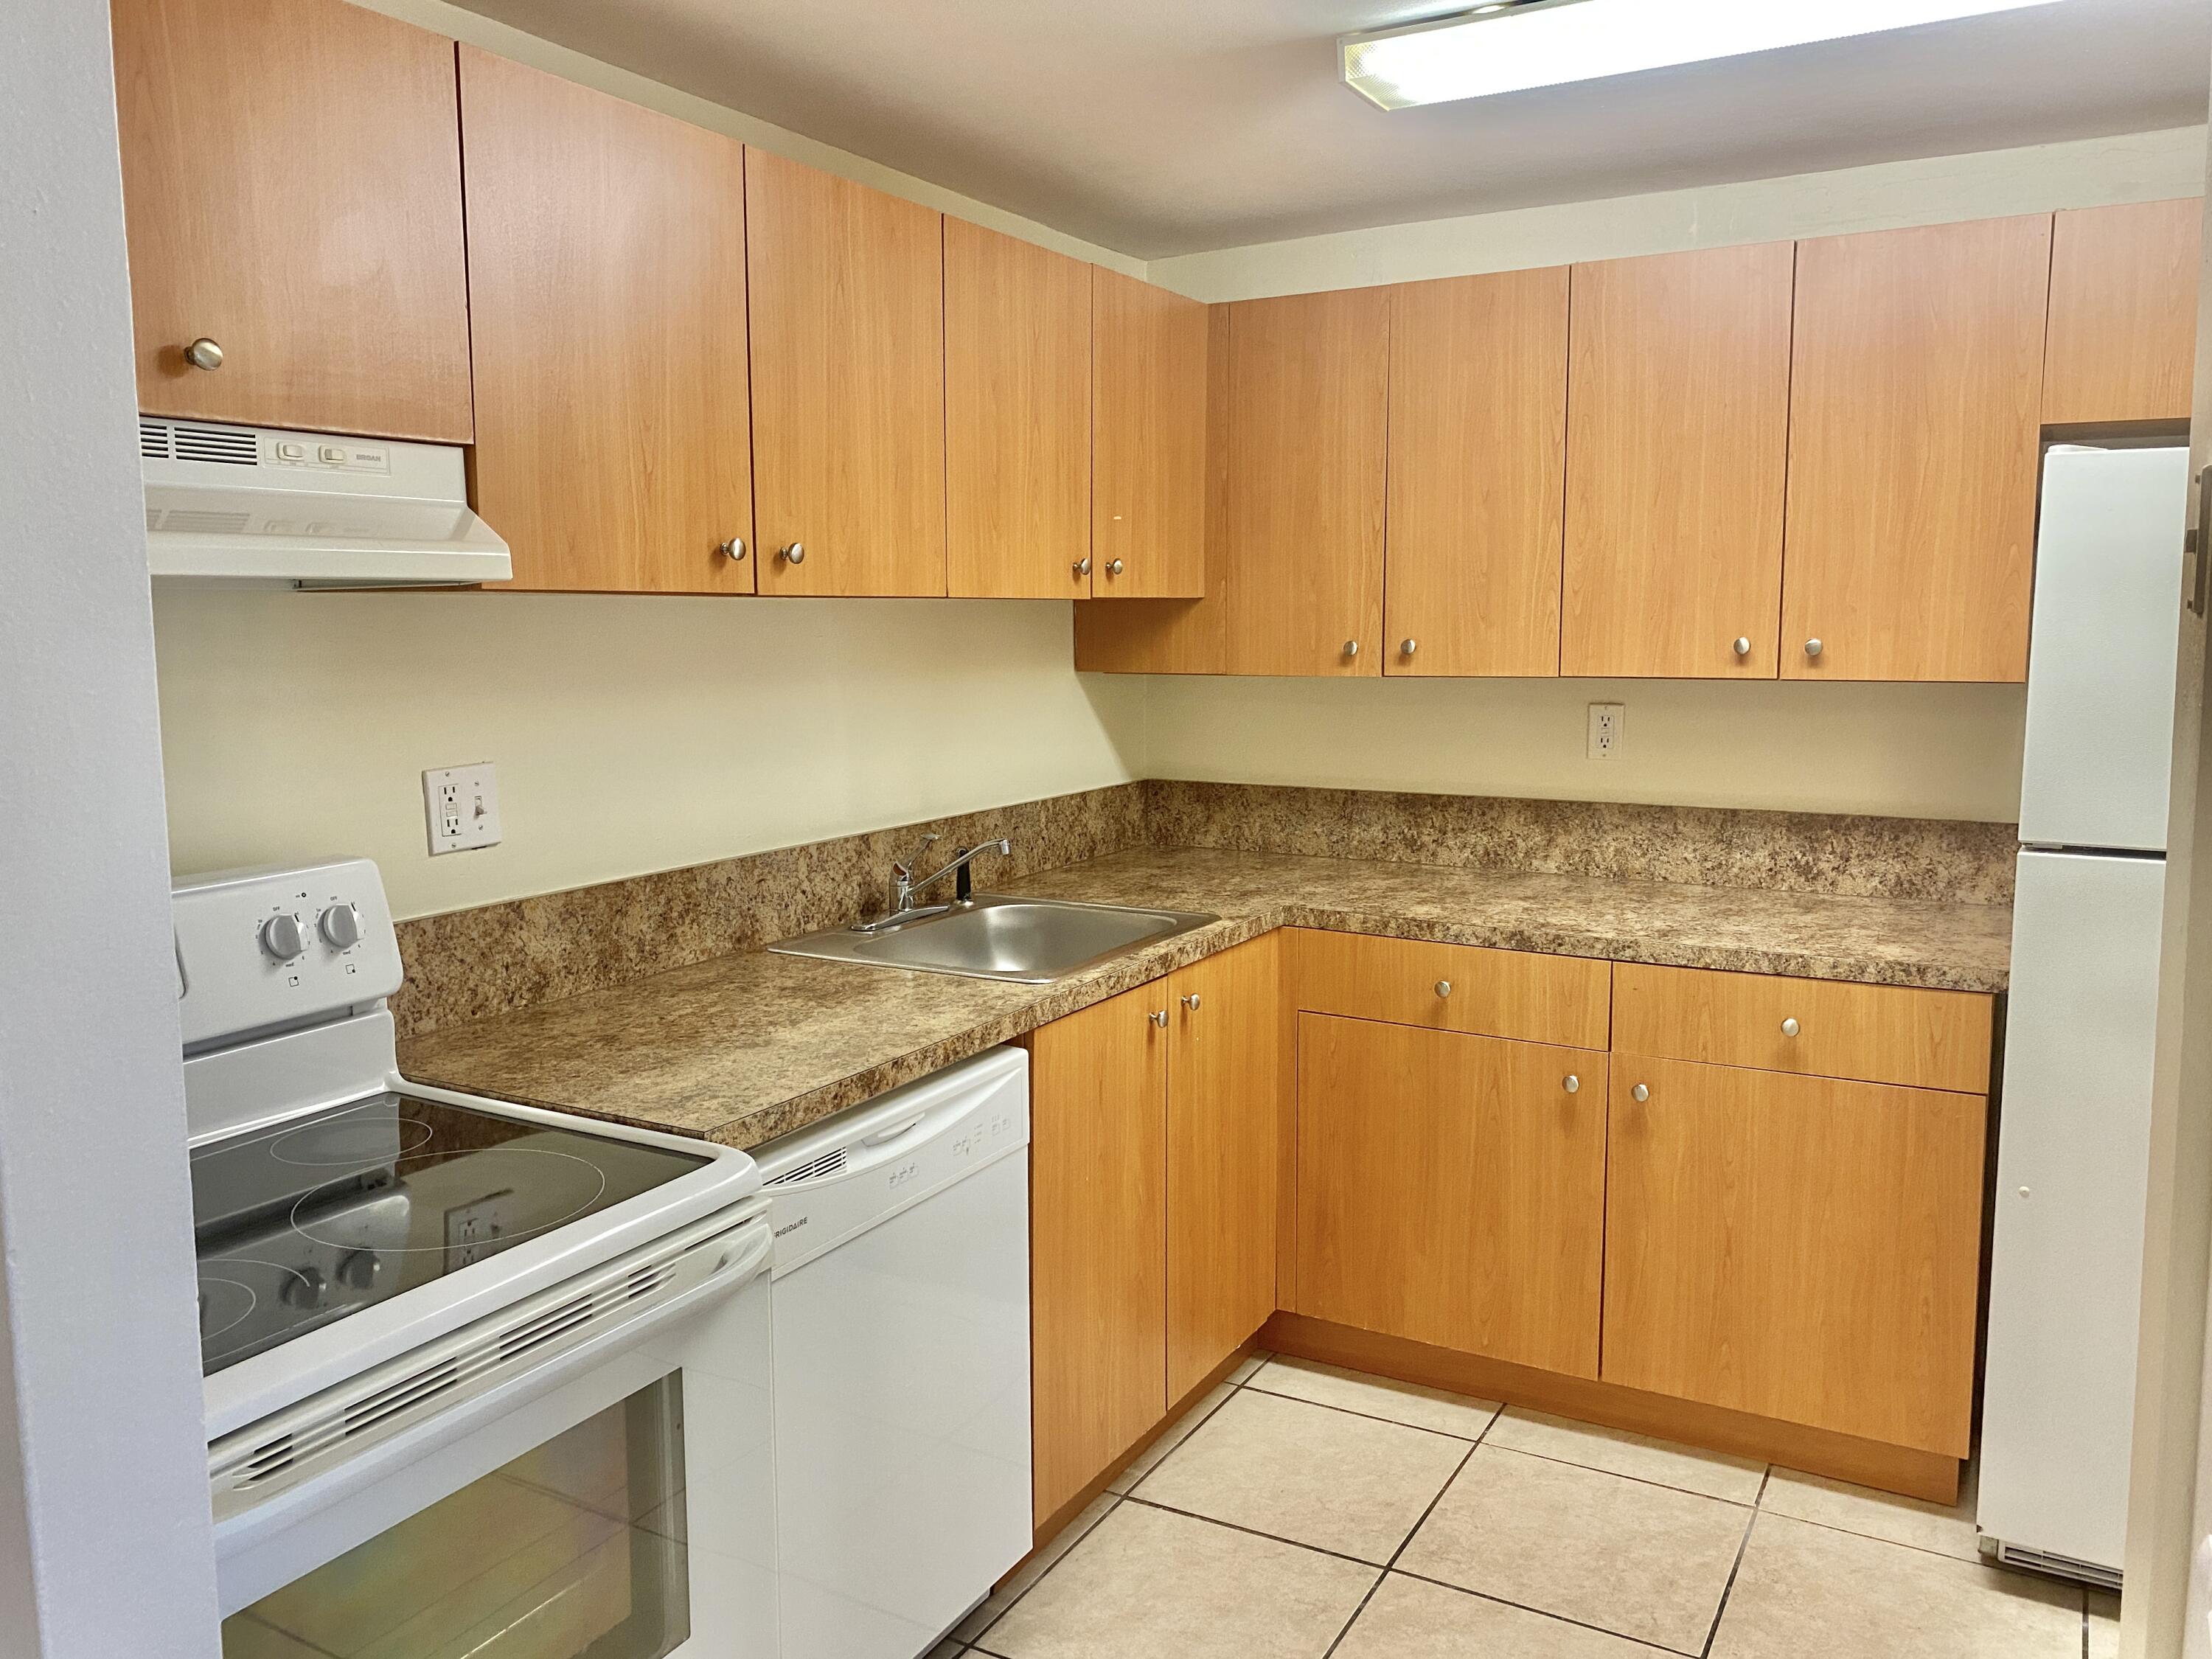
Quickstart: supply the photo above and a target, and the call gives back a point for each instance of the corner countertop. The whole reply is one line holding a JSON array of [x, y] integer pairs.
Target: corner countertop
[[745, 1048]]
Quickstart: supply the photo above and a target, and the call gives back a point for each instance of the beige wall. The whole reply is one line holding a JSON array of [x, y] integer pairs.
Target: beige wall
[[630, 733]]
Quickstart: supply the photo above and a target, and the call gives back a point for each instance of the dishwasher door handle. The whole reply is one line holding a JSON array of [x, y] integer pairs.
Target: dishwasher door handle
[[883, 1137]]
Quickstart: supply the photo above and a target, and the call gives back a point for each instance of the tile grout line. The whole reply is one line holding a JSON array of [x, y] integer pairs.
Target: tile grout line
[[1541, 1613], [1641, 1480], [1728, 1590], [1255, 1532], [1403, 1543]]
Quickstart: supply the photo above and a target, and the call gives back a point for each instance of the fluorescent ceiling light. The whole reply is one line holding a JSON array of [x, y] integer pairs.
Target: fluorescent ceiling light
[[1510, 46]]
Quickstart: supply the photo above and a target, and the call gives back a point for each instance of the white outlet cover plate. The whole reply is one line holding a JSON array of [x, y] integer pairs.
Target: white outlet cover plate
[[462, 803], [1608, 727]]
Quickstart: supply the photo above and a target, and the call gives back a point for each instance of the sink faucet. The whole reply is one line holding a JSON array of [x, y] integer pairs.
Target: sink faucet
[[905, 888]]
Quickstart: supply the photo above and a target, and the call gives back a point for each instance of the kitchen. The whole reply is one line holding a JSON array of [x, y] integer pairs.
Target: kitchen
[[1516, 1150]]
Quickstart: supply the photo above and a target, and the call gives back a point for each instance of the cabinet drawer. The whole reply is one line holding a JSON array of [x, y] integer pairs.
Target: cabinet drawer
[[1822, 1028], [1453, 988]]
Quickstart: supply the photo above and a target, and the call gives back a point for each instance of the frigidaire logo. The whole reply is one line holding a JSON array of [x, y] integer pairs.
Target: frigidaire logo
[[793, 1228]]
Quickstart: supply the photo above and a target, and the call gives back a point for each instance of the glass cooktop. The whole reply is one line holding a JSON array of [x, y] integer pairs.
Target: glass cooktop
[[305, 1222]]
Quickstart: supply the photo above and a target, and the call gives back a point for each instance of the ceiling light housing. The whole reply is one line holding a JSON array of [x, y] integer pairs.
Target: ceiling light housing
[[1514, 46]]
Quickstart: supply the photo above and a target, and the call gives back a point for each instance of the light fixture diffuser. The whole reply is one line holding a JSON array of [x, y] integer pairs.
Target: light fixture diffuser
[[1512, 47]]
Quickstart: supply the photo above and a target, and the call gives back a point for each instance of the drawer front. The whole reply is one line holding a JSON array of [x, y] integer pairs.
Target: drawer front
[[1819, 1028], [1531, 998]]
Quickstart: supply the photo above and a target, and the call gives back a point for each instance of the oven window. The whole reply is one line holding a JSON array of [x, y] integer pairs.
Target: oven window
[[573, 1551]]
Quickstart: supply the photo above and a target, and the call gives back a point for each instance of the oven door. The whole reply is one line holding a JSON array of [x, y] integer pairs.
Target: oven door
[[625, 1512]]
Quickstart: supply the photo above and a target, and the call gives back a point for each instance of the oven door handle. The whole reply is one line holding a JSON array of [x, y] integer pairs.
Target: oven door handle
[[246, 1528]]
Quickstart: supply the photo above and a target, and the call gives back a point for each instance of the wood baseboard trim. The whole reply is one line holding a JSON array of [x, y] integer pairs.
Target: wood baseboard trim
[[1915, 1474], [1054, 1524]]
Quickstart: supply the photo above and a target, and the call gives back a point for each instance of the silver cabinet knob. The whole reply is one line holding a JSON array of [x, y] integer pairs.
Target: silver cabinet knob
[[1352, 648], [1159, 1018], [1811, 648], [795, 554], [203, 353], [1191, 1002], [1114, 567], [1407, 648], [1083, 566], [1639, 1092], [1444, 987], [1571, 1083], [734, 549], [1790, 1028], [1742, 645]]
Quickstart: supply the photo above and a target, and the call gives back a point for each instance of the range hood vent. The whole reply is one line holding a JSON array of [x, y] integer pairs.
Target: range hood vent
[[307, 509]]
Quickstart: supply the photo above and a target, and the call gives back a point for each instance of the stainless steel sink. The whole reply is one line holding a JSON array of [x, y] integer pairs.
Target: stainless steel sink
[[1028, 941]]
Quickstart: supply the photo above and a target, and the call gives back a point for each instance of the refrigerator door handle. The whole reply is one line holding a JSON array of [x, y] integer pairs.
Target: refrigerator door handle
[[2200, 537]]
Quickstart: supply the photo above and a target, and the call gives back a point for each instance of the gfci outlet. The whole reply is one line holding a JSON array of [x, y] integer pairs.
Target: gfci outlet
[[463, 802], [1609, 721]]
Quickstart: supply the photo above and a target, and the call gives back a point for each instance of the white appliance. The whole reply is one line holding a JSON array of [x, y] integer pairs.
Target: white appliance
[[2074, 1134], [900, 1308], [310, 509], [481, 1379]]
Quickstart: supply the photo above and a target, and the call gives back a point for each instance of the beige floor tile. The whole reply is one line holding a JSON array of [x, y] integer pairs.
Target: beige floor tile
[[245, 1636], [1250, 1364], [1378, 1397], [1149, 1585], [1298, 1471], [1034, 1568], [1174, 1435], [1618, 1452], [1808, 1592], [1625, 1555], [948, 1649], [2104, 1625], [1412, 1619], [1948, 1531]]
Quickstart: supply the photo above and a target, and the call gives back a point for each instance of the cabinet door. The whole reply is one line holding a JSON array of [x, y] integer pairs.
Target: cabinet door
[[1223, 1103], [1148, 423], [847, 308], [1478, 469], [1797, 1248], [1098, 1239], [1306, 420], [292, 172], [1016, 418], [1677, 450], [607, 265], [1915, 437], [1451, 1189], [2122, 340]]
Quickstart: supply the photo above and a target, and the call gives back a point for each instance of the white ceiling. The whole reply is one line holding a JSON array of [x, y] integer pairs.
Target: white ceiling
[[1156, 127]]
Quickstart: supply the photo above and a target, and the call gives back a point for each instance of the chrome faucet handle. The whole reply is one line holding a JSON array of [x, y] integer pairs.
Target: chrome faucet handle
[[908, 864]]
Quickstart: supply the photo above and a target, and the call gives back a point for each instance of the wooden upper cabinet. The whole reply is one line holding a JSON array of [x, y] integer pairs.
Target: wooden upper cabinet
[[292, 177], [847, 308], [1915, 437], [2121, 344], [1677, 453], [1016, 418], [1148, 434], [1306, 424], [607, 265], [1477, 472], [1797, 1248], [1224, 1104]]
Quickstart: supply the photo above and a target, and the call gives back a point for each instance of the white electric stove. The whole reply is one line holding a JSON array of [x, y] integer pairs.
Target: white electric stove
[[481, 1378]]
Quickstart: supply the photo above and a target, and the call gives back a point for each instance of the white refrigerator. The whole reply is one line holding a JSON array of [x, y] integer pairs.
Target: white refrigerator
[[2074, 1134]]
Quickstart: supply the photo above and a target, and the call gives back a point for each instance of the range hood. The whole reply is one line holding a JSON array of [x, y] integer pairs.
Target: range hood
[[308, 509]]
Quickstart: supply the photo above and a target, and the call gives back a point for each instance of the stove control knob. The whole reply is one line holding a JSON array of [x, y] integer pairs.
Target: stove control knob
[[283, 937], [359, 1270], [340, 926], [304, 1288]]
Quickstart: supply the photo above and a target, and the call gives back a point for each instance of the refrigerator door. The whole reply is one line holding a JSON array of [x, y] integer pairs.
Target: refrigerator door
[[2073, 1162], [2100, 680]]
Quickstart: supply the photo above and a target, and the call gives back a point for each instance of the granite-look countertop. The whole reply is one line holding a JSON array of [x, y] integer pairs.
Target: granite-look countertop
[[742, 1048]]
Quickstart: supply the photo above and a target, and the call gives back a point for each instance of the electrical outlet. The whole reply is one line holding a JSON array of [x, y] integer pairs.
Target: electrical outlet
[[462, 803], [475, 1230], [1608, 727]]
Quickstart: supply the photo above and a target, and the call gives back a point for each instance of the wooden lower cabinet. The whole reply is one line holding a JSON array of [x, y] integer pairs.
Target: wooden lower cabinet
[[1098, 1239], [1797, 1248], [1451, 1189]]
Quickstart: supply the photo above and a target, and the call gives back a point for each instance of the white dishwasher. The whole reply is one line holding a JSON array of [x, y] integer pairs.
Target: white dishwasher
[[900, 1308]]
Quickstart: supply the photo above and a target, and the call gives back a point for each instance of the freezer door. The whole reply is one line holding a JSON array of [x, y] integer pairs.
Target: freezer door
[[2100, 677], [2073, 1162]]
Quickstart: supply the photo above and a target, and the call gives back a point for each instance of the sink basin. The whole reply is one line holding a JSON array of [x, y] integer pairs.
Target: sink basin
[[1029, 941]]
